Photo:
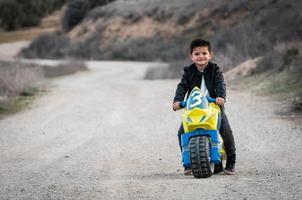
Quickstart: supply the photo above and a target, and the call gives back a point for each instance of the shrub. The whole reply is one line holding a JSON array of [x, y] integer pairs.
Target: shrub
[[51, 45], [22, 13], [10, 14], [18, 81], [271, 61], [17, 78], [290, 56], [167, 71], [77, 10], [283, 56], [63, 69]]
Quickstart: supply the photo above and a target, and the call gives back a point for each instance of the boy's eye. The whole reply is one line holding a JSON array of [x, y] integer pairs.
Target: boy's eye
[[203, 53]]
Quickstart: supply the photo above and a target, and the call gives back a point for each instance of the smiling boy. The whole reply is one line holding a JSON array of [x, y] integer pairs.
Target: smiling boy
[[208, 77]]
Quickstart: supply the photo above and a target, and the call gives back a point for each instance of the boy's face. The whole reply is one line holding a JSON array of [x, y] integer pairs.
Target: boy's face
[[201, 56]]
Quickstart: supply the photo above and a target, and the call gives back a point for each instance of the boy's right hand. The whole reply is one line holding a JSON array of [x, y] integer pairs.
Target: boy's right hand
[[176, 106]]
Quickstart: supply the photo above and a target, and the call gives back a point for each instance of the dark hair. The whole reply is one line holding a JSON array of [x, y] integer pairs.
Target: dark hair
[[199, 43]]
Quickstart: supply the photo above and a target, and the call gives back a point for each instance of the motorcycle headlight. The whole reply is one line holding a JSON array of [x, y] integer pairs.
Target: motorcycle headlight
[[189, 120]]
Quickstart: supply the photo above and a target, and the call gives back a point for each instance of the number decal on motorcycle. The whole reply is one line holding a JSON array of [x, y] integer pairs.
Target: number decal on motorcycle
[[197, 97]]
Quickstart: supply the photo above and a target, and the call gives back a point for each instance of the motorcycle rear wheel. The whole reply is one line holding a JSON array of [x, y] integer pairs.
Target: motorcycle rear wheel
[[200, 157]]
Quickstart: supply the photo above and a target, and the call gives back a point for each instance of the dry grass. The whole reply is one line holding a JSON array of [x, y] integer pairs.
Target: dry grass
[[48, 24], [280, 84], [242, 70], [16, 77], [21, 82], [23, 35]]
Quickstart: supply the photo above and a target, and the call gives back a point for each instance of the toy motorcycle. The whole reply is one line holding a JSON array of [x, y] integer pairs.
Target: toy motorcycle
[[202, 145]]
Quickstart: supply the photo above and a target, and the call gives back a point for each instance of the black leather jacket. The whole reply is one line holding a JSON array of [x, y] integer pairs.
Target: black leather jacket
[[192, 77]]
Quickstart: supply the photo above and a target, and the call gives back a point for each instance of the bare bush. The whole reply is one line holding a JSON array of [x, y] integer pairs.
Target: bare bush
[[147, 49], [20, 13], [239, 44], [76, 11], [51, 45], [20, 80], [63, 69], [17, 78], [283, 66], [169, 71], [261, 28], [283, 56]]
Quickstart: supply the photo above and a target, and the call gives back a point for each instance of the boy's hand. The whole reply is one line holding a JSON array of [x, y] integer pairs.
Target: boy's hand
[[176, 106], [220, 101]]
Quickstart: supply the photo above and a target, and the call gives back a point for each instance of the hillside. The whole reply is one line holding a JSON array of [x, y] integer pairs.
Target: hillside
[[47, 24], [156, 30]]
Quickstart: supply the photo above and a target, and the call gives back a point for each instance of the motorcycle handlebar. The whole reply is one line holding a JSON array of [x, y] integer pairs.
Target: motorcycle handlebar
[[211, 100], [184, 103]]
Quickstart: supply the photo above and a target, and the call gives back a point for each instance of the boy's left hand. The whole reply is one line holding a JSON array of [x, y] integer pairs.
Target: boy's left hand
[[220, 101], [176, 106]]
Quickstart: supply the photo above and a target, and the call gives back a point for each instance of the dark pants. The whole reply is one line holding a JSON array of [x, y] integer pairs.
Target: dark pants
[[226, 134]]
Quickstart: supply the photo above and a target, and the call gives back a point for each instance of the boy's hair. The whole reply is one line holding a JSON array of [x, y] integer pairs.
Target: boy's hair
[[199, 43]]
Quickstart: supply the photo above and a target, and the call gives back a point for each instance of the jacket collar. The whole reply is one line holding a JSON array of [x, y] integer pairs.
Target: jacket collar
[[206, 70]]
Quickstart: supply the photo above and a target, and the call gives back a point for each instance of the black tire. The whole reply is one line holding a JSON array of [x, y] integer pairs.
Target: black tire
[[200, 157]]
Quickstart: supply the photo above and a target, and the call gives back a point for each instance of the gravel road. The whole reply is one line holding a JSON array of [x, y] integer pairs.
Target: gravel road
[[109, 134]]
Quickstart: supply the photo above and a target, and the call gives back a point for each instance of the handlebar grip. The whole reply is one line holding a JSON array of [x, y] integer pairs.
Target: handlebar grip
[[211, 100], [183, 104]]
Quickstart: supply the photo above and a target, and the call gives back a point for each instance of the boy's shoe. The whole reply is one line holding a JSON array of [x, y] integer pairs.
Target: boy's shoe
[[218, 168], [229, 171], [230, 165], [188, 172]]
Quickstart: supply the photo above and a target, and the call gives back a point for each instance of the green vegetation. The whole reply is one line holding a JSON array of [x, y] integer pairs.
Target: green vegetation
[[19, 83], [290, 56], [18, 103], [24, 13]]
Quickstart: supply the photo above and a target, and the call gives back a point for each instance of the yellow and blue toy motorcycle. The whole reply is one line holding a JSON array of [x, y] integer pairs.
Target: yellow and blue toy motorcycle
[[202, 146]]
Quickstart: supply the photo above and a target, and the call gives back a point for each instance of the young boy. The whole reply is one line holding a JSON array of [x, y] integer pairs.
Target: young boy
[[208, 77]]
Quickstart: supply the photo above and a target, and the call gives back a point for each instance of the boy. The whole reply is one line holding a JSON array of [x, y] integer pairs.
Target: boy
[[208, 77]]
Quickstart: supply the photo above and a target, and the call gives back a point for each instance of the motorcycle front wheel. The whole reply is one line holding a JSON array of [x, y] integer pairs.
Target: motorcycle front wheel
[[200, 157]]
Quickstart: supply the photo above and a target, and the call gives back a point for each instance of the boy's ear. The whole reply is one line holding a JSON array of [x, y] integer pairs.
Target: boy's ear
[[190, 56], [211, 55]]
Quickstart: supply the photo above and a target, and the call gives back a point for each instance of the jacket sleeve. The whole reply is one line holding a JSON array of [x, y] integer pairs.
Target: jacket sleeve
[[220, 86], [182, 87]]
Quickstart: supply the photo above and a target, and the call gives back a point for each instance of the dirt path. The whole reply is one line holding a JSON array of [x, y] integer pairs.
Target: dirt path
[[108, 134], [8, 51]]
